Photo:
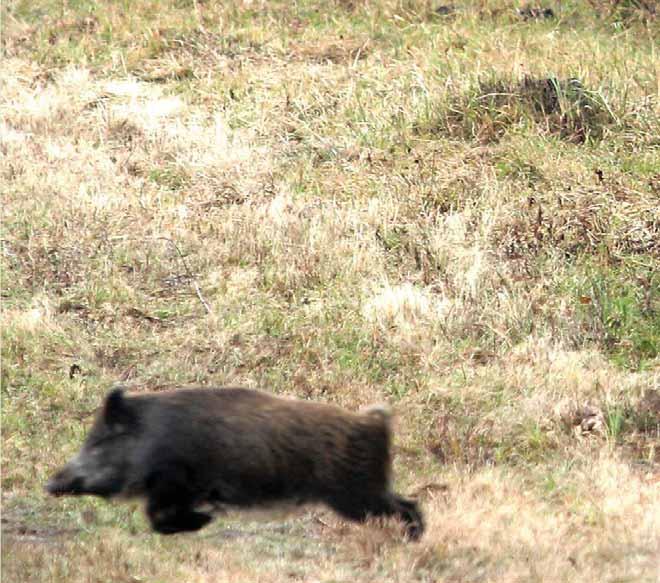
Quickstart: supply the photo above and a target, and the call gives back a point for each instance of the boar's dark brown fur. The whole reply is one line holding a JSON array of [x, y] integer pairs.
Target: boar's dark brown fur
[[186, 449]]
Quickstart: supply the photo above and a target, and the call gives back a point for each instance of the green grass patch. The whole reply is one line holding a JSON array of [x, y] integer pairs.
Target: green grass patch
[[618, 309]]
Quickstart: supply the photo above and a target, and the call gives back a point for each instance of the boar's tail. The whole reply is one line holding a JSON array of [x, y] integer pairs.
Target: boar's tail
[[379, 418], [381, 412]]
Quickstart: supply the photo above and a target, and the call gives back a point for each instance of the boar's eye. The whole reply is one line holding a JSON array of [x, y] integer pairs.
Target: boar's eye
[[100, 440]]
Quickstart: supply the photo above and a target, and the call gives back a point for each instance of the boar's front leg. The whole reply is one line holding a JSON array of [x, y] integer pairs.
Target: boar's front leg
[[170, 502]]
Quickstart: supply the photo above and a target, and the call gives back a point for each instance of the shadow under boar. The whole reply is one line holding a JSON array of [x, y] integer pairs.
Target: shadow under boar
[[186, 449]]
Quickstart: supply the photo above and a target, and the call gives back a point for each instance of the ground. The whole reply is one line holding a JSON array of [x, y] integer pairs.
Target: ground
[[451, 208]]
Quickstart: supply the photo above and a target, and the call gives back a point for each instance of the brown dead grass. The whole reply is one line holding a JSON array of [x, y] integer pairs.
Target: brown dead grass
[[220, 203]]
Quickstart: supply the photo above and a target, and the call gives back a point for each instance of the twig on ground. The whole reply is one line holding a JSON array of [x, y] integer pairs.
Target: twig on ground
[[189, 272]]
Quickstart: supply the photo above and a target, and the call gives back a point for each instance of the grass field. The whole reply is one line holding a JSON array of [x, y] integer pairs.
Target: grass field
[[452, 208]]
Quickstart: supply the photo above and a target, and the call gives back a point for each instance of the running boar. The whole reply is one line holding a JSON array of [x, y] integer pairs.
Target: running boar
[[186, 450]]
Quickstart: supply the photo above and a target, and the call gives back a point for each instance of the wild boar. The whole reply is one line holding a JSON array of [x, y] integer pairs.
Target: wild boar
[[188, 449]]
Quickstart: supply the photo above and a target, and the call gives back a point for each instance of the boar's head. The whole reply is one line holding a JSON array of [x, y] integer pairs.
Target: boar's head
[[101, 467]]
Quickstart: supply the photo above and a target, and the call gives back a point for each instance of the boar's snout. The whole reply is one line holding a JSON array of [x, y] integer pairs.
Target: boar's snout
[[84, 476], [66, 482]]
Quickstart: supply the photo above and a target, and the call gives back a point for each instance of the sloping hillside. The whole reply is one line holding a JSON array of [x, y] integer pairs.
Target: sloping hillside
[[452, 208]]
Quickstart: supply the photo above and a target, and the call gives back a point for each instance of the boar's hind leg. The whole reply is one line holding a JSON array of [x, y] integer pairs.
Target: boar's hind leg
[[170, 502], [360, 508], [408, 511]]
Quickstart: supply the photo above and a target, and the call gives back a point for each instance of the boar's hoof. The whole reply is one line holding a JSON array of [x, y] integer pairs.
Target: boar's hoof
[[409, 512], [414, 531]]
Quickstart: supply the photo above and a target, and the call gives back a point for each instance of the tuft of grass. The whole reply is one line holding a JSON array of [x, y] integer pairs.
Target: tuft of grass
[[627, 11], [489, 109]]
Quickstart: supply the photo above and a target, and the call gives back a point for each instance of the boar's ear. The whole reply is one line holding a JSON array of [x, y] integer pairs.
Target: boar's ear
[[116, 411]]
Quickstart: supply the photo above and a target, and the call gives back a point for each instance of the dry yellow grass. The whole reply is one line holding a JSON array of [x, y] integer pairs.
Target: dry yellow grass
[[353, 202]]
